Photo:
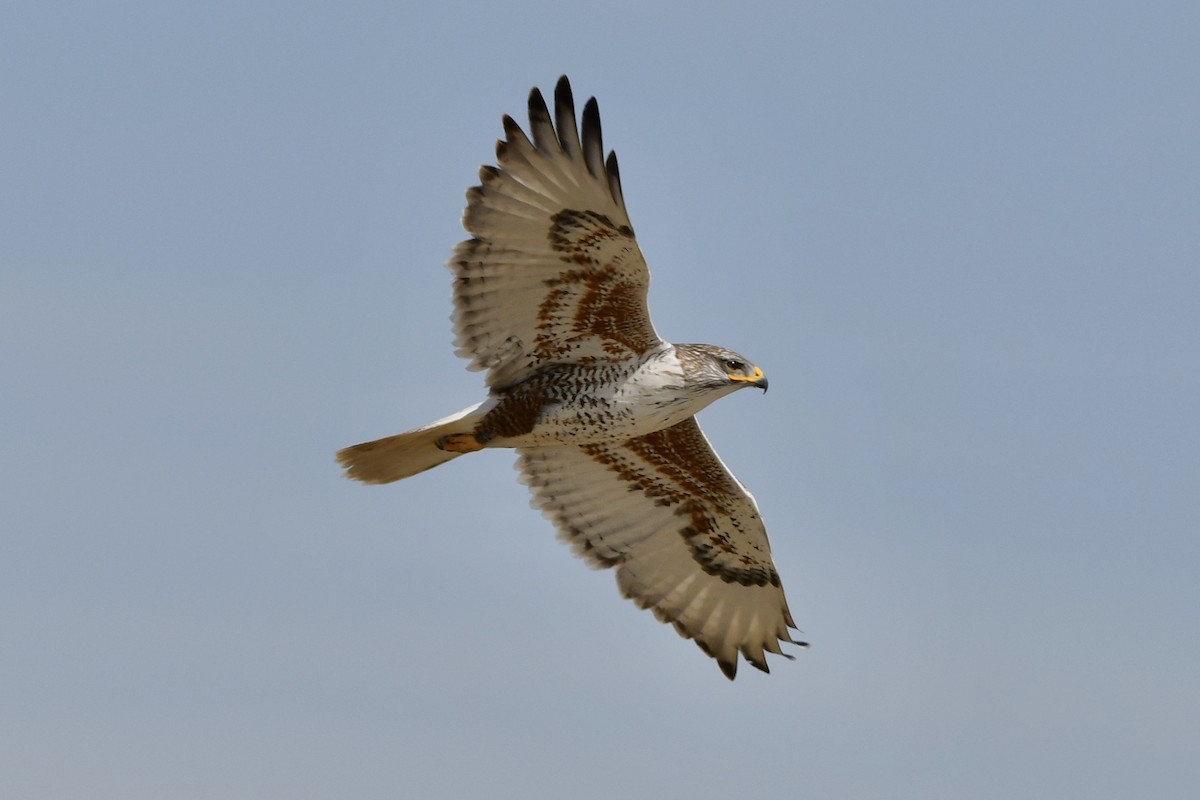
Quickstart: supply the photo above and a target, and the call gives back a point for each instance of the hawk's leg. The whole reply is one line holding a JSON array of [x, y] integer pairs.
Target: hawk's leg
[[462, 442]]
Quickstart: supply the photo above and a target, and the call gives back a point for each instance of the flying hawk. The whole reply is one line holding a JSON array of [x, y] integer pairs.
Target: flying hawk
[[550, 302]]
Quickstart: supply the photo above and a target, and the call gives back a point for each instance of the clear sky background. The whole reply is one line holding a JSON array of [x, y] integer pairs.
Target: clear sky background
[[963, 239]]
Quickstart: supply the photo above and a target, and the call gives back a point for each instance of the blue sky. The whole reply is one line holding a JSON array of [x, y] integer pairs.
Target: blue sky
[[963, 240]]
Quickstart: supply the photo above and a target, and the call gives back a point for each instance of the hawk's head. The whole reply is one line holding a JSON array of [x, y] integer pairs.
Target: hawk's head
[[712, 368]]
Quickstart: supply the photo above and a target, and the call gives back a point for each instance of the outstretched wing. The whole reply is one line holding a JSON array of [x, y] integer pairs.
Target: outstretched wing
[[684, 535], [552, 273]]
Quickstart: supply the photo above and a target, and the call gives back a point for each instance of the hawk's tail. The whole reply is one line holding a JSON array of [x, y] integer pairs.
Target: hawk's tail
[[406, 454]]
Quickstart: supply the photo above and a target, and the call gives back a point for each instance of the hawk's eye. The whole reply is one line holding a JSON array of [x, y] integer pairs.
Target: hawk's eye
[[733, 365]]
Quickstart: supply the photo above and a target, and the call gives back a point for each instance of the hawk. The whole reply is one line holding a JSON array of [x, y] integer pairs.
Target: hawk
[[550, 303]]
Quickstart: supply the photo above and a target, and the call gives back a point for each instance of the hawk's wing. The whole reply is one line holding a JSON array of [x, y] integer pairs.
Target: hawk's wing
[[683, 533], [553, 273]]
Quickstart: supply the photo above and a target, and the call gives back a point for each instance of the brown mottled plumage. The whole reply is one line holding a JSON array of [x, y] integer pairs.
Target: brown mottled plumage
[[550, 301]]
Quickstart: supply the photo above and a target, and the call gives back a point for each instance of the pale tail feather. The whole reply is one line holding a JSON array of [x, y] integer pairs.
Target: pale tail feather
[[406, 454]]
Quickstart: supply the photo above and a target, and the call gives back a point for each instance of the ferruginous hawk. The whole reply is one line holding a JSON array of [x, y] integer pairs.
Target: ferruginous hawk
[[550, 302]]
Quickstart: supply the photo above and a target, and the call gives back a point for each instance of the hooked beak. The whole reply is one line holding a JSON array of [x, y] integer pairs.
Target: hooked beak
[[758, 380]]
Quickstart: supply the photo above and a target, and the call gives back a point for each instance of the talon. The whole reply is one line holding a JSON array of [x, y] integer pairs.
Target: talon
[[460, 443]]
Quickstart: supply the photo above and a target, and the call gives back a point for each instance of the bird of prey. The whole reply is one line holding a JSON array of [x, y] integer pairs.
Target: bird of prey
[[550, 303]]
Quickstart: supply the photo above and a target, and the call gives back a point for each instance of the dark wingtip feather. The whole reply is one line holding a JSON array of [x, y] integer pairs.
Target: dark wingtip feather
[[511, 126], [728, 666], [614, 179], [564, 115], [540, 126], [562, 90], [537, 105], [593, 140]]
